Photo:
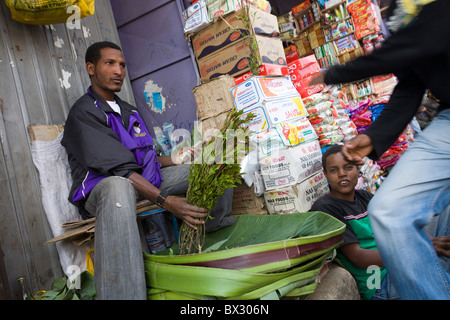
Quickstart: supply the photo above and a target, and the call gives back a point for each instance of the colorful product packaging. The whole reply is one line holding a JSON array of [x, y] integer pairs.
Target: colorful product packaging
[[271, 112], [260, 88], [263, 70], [301, 71]]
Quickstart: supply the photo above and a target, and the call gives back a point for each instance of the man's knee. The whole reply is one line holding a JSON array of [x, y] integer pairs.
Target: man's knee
[[117, 186]]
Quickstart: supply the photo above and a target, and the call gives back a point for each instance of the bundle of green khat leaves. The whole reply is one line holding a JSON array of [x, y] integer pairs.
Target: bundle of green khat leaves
[[215, 170]]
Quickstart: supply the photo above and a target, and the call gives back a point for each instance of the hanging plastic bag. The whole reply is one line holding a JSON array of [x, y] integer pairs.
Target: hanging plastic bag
[[43, 12]]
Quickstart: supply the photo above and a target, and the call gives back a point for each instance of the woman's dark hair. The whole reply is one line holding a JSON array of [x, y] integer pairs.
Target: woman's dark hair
[[337, 148], [93, 53]]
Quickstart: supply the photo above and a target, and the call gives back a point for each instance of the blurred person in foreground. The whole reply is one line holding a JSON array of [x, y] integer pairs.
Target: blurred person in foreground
[[418, 187]]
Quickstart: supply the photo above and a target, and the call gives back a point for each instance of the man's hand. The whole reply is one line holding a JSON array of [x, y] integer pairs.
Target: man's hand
[[357, 148], [187, 154], [441, 245], [318, 79], [190, 214]]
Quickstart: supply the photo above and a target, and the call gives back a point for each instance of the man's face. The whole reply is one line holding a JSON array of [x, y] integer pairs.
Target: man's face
[[108, 74], [341, 175]]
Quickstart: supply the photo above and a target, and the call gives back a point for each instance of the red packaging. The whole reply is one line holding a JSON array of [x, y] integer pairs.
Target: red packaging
[[299, 74], [304, 90], [264, 70], [291, 57], [300, 7], [302, 62]]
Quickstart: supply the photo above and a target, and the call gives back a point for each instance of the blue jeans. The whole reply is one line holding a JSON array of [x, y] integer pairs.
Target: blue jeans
[[416, 191], [118, 262]]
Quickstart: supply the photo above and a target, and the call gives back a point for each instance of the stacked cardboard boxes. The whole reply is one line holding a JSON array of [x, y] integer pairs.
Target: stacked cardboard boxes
[[226, 45], [287, 152]]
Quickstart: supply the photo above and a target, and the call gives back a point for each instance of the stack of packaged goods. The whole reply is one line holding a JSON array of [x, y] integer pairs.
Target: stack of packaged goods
[[327, 114], [301, 71], [360, 114], [364, 113], [238, 40], [225, 38], [288, 153], [370, 177], [364, 17], [288, 27], [393, 154]]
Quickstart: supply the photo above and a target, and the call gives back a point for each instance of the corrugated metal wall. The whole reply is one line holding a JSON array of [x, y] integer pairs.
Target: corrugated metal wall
[[42, 73], [160, 62]]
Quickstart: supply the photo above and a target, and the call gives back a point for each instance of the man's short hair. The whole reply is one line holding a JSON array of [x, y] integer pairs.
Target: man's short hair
[[93, 53], [337, 148]]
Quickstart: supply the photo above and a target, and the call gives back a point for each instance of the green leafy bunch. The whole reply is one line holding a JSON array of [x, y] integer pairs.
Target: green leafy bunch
[[218, 170], [85, 290]]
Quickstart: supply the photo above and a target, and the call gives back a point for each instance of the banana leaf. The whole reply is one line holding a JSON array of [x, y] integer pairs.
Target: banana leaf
[[263, 243], [186, 282]]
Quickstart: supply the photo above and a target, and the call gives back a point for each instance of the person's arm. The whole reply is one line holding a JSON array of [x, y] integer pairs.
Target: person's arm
[[191, 215], [398, 112], [442, 245], [361, 258]]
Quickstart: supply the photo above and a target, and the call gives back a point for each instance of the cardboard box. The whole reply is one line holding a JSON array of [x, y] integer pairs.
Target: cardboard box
[[297, 198], [222, 7], [258, 89], [348, 56], [300, 74], [209, 126], [302, 44], [231, 28], [245, 201], [214, 97], [278, 170], [308, 157], [267, 142], [285, 109], [315, 36], [235, 58], [290, 166], [195, 17], [260, 122]]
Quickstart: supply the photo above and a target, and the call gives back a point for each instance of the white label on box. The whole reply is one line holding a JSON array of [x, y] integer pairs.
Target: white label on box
[[259, 88], [281, 201], [307, 158], [312, 189], [289, 166], [277, 169], [285, 109], [267, 142], [297, 198], [196, 17]]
